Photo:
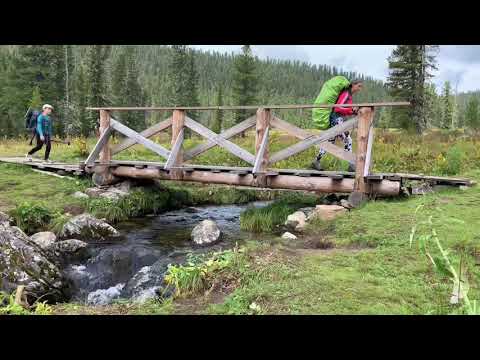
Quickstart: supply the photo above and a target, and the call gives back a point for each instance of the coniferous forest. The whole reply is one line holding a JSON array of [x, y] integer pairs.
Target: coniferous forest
[[73, 77]]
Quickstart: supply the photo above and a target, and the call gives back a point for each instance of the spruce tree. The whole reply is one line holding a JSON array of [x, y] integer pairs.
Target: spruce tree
[[472, 114], [245, 83], [447, 106], [82, 122], [218, 121], [133, 92], [410, 67], [95, 76]]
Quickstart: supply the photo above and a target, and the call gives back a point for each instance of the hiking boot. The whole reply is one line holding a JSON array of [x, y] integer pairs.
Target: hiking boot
[[48, 161], [28, 157], [317, 166], [351, 168]]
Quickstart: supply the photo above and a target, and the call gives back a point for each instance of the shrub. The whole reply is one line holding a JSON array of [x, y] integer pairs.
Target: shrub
[[31, 217], [197, 274], [454, 159], [80, 147]]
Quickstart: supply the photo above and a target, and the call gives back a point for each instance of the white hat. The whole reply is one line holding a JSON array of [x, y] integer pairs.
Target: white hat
[[47, 106]]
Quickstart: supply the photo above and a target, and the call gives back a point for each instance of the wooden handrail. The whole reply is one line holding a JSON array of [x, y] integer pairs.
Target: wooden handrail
[[249, 107]]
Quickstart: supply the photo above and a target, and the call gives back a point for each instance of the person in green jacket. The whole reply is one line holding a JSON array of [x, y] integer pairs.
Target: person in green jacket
[[338, 90], [43, 133]]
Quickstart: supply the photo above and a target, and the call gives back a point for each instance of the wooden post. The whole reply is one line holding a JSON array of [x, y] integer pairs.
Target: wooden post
[[102, 175], [365, 117], [178, 121], [263, 122]]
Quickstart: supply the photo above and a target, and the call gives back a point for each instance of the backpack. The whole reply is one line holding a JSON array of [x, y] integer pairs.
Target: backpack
[[31, 119], [329, 94]]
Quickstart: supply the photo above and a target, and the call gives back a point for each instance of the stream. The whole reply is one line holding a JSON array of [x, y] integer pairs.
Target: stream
[[132, 266]]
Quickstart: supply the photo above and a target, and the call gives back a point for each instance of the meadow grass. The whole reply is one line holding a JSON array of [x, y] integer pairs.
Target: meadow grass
[[372, 269]]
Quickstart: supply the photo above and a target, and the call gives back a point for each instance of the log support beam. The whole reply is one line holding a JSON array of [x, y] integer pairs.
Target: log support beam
[[286, 182], [102, 174]]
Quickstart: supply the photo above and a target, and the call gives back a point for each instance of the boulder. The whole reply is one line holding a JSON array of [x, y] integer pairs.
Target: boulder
[[113, 193], [327, 212], [307, 211], [94, 192], [346, 204], [148, 283], [80, 195], [68, 251], [44, 239], [86, 227], [5, 219], [296, 221], [289, 236], [206, 232], [104, 296], [24, 263]]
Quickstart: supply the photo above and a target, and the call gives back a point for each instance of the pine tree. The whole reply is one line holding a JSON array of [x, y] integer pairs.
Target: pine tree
[[95, 78], [432, 109], [178, 76], [218, 122], [133, 92], [245, 83], [118, 82], [410, 67], [472, 114], [192, 84], [447, 106], [82, 121]]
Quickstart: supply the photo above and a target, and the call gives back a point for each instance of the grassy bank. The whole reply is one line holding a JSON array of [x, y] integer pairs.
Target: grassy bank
[[438, 152], [39, 202], [382, 258]]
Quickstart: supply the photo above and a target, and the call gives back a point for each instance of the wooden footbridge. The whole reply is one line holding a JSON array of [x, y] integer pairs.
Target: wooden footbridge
[[175, 164]]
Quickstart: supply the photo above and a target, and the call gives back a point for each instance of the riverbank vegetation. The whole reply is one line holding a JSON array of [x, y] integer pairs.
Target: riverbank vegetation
[[382, 258]]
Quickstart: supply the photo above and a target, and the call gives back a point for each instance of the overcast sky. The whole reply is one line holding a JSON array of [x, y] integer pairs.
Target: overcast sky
[[458, 63]]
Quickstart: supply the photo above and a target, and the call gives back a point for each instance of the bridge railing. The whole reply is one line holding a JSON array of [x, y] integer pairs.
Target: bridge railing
[[263, 121]]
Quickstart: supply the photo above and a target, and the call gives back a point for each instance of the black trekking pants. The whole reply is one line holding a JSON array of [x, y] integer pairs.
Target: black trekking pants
[[40, 143]]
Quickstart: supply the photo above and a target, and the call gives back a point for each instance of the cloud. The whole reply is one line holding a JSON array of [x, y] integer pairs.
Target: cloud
[[284, 52], [455, 62], [467, 54]]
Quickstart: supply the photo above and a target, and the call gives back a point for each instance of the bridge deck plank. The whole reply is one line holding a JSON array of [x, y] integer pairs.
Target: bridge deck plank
[[244, 170]]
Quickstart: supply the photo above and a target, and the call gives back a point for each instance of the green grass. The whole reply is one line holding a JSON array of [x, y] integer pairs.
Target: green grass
[[20, 184], [266, 219], [394, 151], [373, 269]]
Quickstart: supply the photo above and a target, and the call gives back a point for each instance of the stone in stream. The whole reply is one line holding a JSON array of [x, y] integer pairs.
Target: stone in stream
[[44, 239], [87, 228], [5, 219], [68, 251], [206, 232], [104, 296], [116, 264], [148, 282], [288, 236], [296, 221], [22, 262]]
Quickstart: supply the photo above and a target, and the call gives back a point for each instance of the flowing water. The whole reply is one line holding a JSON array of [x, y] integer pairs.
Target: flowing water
[[133, 265]]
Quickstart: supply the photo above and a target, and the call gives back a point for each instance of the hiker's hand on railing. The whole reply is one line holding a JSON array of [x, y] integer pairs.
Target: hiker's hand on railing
[[355, 110]]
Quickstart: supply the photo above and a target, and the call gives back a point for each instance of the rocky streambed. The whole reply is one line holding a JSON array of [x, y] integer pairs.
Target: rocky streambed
[[94, 263]]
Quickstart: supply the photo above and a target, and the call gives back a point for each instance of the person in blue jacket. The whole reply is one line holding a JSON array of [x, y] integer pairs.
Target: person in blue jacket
[[43, 133]]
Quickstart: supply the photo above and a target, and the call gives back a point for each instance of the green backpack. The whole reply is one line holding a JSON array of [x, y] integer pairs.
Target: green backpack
[[329, 94]]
